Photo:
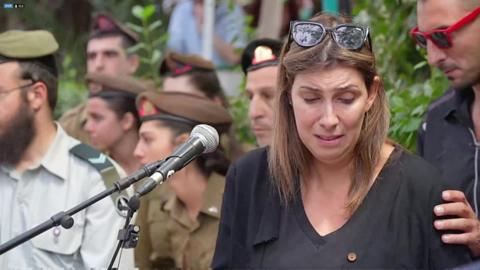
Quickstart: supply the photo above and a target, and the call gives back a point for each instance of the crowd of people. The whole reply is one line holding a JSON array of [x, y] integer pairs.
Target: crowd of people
[[324, 187]]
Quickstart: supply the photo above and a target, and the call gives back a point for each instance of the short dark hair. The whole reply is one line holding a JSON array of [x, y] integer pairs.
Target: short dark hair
[[42, 69], [122, 105], [207, 82], [216, 161], [127, 41]]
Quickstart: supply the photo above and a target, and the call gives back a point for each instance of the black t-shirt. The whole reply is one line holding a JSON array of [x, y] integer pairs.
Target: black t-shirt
[[392, 228]]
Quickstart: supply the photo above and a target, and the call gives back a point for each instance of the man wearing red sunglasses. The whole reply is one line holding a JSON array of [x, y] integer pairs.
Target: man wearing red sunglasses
[[449, 137]]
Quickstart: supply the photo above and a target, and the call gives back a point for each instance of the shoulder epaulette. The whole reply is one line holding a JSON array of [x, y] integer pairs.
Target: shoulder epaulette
[[101, 163], [95, 158]]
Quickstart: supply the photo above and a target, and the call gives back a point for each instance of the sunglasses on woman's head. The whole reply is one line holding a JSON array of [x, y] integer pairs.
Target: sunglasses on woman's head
[[348, 36], [442, 38]]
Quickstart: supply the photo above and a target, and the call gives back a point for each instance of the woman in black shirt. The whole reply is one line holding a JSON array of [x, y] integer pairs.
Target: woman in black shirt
[[331, 192]]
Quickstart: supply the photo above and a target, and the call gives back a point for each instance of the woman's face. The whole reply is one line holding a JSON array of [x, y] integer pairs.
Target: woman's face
[[103, 126], [155, 142], [329, 107]]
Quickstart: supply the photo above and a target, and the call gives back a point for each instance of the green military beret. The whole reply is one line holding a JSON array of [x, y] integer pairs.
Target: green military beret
[[182, 107], [22, 45]]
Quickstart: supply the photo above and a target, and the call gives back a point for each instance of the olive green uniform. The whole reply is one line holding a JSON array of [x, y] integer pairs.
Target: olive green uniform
[[73, 121], [170, 238]]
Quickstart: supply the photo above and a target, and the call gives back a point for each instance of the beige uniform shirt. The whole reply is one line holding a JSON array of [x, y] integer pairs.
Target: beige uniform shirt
[[170, 238], [73, 121], [58, 183]]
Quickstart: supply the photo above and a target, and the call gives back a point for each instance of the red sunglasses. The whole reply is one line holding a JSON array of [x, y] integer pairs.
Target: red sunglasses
[[442, 38]]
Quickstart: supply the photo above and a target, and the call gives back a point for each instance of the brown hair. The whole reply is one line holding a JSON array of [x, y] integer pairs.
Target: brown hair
[[126, 41], [122, 105], [42, 69], [216, 161], [288, 156], [207, 82]]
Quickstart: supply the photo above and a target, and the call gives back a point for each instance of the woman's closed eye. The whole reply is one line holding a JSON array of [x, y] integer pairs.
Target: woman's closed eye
[[311, 99], [147, 140], [346, 98], [346, 101]]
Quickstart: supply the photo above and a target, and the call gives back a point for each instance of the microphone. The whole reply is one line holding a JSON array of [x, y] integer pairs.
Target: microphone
[[203, 139]]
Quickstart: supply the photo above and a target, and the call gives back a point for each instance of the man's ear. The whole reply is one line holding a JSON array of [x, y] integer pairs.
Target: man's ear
[[128, 121], [373, 91], [134, 63], [181, 139], [37, 95]]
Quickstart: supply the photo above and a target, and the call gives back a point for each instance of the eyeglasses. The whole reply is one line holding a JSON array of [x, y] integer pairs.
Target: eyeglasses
[[442, 38], [7, 92], [348, 36]]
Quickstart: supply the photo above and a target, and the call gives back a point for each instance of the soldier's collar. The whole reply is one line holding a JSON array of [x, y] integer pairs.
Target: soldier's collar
[[178, 212], [459, 107], [56, 158], [212, 201]]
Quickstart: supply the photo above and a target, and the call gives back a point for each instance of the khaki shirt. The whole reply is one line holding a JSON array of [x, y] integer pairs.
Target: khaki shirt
[[58, 183], [170, 238], [73, 121]]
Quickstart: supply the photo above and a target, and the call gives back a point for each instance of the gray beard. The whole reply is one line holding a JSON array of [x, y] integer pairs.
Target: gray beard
[[18, 135]]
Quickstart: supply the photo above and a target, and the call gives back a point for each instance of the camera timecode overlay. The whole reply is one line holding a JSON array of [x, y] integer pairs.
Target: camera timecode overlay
[[13, 5]]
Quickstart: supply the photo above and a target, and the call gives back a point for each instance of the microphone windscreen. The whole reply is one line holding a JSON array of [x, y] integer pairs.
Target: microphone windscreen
[[208, 135]]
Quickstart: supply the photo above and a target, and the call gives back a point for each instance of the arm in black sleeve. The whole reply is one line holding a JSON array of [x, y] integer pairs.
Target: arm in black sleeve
[[443, 255], [421, 137], [223, 248]]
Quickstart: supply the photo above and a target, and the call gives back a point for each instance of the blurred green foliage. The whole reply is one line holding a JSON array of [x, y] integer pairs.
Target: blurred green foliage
[[69, 21], [239, 104], [153, 38], [71, 91], [146, 21], [411, 84], [239, 110]]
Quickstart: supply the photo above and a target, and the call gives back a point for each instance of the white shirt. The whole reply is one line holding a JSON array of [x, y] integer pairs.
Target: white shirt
[[58, 183]]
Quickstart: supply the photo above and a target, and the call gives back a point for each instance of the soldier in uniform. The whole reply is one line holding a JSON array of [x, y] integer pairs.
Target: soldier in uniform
[[43, 170], [106, 53], [112, 118], [192, 74], [196, 75], [260, 66], [180, 230]]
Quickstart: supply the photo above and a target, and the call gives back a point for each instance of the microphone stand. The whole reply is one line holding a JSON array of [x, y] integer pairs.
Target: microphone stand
[[64, 218], [128, 236]]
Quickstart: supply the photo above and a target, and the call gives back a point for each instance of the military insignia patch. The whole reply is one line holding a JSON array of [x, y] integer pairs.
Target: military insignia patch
[[263, 54], [147, 108]]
